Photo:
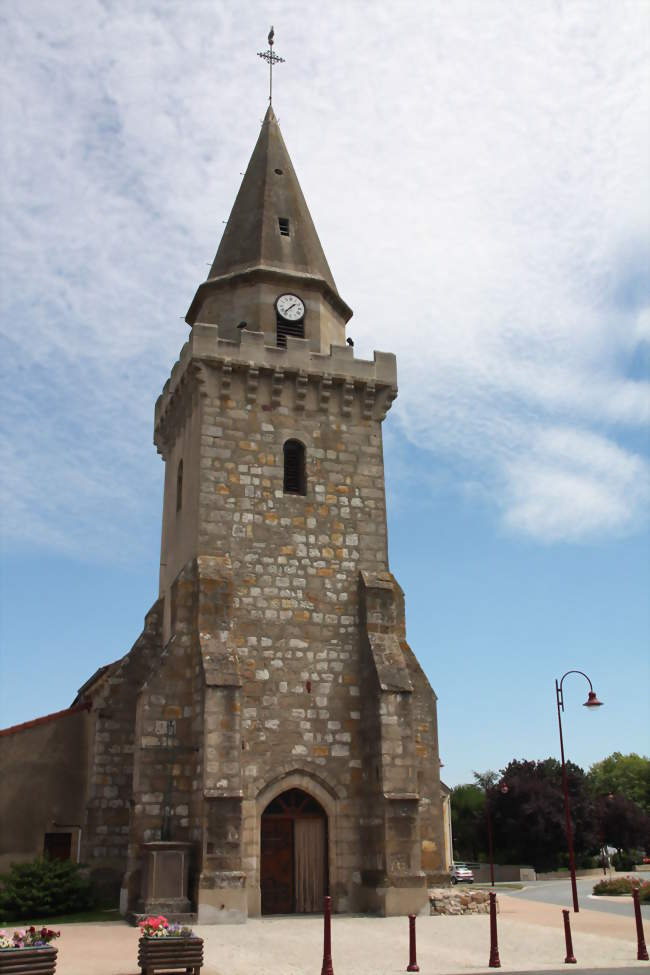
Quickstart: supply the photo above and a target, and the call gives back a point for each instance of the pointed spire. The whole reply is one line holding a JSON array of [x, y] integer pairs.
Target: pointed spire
[[269, 193], [269, 236]]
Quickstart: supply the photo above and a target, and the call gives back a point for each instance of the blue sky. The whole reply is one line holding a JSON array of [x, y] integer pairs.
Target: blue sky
[[477, 173]]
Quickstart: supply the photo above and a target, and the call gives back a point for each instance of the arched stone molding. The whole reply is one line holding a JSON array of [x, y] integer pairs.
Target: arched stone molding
[[285, 771], [312, 784], [320, 787], [290, 433]]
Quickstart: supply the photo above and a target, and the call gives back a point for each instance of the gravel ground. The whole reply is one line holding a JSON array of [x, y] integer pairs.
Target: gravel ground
[[531, 938]]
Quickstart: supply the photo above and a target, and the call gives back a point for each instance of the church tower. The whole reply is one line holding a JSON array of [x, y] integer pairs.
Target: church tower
[[281, 726]]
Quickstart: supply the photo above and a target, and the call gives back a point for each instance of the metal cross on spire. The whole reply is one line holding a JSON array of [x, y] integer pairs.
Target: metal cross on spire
[[272, 59]]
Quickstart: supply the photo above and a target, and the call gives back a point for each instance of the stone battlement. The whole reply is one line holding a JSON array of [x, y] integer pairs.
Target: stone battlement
[[264, 372]]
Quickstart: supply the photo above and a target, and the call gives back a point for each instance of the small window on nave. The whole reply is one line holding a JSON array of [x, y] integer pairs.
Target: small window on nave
[[295, 481]]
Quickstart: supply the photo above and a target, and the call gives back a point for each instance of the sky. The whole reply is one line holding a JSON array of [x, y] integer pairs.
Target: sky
[[477, 171]]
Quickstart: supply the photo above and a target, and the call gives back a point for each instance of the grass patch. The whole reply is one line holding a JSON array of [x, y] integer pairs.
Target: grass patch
[[499, 885], [83, 917]]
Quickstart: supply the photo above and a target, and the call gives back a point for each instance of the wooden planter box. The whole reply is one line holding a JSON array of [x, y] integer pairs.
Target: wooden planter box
[[28, 961], [184, 955]]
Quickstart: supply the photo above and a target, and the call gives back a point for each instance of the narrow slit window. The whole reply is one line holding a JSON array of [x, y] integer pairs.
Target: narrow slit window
[[179, 486], [283, 223], [295, 481]]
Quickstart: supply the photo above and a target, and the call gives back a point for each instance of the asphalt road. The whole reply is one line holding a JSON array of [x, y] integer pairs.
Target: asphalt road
[[559, 892]]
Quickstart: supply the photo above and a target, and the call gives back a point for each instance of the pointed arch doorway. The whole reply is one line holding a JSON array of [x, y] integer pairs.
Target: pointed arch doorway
[[294, 876]]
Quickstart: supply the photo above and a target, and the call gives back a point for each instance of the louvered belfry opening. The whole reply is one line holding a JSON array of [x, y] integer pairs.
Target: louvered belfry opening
[[284, 328], [295, 481]]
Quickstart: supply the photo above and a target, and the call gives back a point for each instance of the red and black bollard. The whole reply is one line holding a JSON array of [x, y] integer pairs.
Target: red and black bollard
[[413, 962], [641, 950], [495, 961], [327, 938], [570, 957]]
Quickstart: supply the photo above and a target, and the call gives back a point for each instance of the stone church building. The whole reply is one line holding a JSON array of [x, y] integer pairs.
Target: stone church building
[[270, 737]]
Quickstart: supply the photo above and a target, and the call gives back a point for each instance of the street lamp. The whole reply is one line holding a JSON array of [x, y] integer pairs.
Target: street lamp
[[591, 702], [504, 791]]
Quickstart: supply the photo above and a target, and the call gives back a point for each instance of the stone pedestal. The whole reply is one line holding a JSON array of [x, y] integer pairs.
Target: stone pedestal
[[222, 897], [165, 876]]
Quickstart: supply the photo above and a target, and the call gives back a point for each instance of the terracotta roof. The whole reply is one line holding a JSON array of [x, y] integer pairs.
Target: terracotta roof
[[84, 706]]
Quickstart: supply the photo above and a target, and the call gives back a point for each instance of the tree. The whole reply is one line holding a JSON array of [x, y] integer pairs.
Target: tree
[[467, 808], [623, 824], [528, 819], [528, 822], [623, 775]]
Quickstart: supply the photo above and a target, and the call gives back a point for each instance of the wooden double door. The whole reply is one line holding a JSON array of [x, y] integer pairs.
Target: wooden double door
[[293, 869]]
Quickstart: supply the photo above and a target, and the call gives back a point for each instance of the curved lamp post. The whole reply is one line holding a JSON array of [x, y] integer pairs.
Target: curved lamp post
[[503, 788], [591, 702]]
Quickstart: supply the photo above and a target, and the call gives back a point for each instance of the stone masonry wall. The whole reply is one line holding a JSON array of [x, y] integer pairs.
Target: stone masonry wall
[[425, 727], [285, 699], [167, 782], [391, 825], [106, 833], [295, 563], [445, 901]]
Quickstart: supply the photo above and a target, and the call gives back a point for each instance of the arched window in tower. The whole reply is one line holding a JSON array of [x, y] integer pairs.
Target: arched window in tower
[[179, 486], [295, 481]]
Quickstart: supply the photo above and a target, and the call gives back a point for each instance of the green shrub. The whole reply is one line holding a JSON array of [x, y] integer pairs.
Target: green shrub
[[44, 887], [626, 859], [624, 885]]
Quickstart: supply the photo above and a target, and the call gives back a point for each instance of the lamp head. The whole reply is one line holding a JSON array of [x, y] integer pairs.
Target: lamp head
[[592, 701]]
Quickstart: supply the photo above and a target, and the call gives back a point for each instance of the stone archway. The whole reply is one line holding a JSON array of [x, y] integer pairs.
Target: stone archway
[[294, 874]]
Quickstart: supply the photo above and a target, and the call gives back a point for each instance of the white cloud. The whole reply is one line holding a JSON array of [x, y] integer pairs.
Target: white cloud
[[642, 330], [571, 484], [477, 174]]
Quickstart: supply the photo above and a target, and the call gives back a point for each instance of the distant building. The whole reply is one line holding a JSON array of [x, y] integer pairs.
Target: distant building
[[271, 724]]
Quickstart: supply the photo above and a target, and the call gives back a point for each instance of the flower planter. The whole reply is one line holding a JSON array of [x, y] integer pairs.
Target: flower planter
[[28, 961], [170, 955]]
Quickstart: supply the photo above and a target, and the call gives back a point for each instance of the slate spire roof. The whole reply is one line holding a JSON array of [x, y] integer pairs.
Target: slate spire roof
[[270, 192]]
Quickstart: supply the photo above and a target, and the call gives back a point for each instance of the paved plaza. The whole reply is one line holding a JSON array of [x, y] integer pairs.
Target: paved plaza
[[531, 938]]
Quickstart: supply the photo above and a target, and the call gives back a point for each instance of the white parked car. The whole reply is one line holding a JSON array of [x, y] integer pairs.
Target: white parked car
[[461, 874]]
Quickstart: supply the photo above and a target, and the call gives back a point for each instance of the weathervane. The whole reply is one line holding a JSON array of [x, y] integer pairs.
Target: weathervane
[[272, 59]]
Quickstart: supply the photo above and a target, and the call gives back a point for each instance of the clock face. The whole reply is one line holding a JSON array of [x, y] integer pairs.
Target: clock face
[[290, 307]]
